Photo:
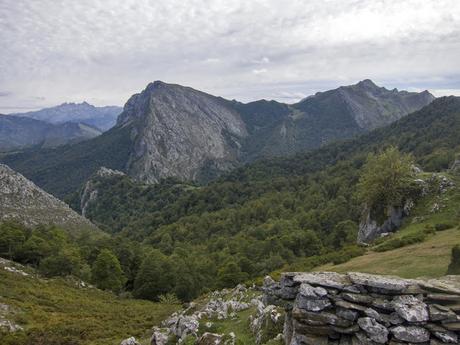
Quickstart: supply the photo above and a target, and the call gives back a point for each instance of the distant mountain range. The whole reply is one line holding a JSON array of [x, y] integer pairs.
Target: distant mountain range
[[170, 130], [102, 118], [17, 133]]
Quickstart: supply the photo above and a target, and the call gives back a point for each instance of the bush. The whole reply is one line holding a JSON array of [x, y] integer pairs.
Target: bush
[[62, 264], [443, 226], [169, 298], [347, 254], [403, 241]]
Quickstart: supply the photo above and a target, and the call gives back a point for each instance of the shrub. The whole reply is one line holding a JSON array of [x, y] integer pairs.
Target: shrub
[[454, 266], [347, 254], [403, 241], [443, 226], [169, 298]]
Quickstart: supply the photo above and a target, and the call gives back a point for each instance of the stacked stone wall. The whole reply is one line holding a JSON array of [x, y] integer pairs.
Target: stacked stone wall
[[327, 308]]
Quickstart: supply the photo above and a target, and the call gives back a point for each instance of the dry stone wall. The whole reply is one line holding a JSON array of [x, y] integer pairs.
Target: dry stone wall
[[350, 309]]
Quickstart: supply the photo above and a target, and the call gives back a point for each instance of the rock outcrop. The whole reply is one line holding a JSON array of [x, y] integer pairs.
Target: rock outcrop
[[370, 230], [328, 308], [194, 322], [90, 192], [21, 200]]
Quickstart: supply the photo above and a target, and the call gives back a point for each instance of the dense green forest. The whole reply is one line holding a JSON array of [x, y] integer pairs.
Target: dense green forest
[[266, 215]]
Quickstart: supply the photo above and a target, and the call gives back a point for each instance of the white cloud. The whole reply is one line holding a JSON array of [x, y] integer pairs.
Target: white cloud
[[103, 51], [259, 71]]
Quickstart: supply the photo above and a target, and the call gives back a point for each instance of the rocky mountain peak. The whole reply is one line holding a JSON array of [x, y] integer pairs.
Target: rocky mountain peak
[[367, 84], [181, 130]]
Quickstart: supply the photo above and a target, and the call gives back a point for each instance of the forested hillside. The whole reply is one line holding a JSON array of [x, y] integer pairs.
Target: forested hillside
[[267, 214]]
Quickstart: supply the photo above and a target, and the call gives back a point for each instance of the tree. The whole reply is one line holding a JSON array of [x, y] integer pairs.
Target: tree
[[155, 277], [385, 180], [106, 272], [64, 263], [454, 266], [230, 275], [34, 250], [344, 233], [12, 236]]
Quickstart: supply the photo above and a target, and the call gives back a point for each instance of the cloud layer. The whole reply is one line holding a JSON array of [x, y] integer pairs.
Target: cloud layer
[[103, 51]]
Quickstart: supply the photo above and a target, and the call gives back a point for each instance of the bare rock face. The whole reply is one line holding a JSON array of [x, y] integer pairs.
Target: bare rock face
[[181, 132], [90, 190], [370, 230], [21, 200]]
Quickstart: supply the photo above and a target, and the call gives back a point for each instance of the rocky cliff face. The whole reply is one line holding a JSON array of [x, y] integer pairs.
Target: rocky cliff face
[[21, 200], [180, 132], [327, 308], [90, 190]]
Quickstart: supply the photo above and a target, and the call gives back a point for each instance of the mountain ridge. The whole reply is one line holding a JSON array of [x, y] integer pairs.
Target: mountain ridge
[[18, 133], [102, 118], [177, 131]]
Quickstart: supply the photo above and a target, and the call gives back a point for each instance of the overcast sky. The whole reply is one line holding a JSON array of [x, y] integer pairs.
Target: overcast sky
[[104, 51]]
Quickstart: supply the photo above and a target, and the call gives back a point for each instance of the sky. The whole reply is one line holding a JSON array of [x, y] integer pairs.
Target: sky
[[103, 51]]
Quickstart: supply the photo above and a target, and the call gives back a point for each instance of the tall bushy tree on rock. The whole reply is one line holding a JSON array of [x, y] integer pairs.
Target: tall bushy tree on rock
[[386, 180]]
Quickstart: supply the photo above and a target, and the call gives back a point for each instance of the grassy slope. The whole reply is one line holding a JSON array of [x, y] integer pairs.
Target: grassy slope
[[57, 312], [426, 259]]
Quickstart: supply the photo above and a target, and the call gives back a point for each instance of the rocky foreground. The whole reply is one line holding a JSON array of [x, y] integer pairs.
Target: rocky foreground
[[322, 308]]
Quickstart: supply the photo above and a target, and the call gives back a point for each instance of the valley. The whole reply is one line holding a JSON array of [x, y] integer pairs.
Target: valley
[[148, 246]]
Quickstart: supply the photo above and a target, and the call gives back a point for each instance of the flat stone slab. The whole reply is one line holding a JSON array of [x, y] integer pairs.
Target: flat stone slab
[[324, 279], [387, 283]]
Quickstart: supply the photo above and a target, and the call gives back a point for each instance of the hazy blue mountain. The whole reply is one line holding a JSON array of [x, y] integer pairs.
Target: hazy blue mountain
[[102, 118], [18, 133]]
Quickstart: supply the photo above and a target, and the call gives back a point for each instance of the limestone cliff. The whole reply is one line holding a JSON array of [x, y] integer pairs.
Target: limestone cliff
[[179, 131]]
